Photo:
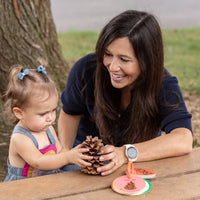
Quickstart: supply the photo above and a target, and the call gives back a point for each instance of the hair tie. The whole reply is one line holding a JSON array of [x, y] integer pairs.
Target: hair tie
[[41, 69], [22, 74]]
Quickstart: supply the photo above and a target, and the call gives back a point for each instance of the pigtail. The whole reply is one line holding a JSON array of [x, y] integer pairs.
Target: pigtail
[[42, 62], [12, 90]]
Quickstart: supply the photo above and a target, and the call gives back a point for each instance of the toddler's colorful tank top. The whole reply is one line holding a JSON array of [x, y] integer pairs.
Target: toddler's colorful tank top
[[29, 171]]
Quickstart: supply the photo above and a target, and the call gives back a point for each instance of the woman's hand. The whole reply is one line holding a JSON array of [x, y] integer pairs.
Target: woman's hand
[[115, 155]]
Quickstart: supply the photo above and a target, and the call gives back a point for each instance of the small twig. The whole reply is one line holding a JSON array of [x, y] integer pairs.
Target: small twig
[[16, 9]]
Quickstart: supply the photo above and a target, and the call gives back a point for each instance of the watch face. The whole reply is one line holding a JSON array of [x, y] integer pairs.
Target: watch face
[[132, 152]]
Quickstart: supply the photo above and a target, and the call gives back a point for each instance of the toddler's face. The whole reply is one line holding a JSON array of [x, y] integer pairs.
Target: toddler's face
[[41, 112]]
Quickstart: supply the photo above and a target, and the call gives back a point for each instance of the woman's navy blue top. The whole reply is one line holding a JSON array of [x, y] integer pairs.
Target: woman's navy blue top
[[79, 101]]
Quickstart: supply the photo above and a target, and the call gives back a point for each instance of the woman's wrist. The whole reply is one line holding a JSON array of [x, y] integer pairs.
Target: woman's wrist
[[123, 155]]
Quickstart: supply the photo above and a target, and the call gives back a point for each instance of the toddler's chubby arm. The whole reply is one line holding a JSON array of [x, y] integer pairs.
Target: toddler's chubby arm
[[25, 148]]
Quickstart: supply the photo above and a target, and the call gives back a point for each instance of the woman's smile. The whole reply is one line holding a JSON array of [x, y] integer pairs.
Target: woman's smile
[[117, 77]]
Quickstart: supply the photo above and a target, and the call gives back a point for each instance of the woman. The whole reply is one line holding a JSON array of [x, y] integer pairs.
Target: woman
[[123, 94]]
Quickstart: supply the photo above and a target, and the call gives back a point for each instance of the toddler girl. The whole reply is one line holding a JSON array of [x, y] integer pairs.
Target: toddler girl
[[31, 99]]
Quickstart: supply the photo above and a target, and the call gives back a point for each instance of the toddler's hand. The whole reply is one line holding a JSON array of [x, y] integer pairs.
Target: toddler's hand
[[78, 157]]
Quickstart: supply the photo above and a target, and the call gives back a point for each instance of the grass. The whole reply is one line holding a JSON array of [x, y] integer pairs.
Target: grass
[[77, 44], [182, 52]]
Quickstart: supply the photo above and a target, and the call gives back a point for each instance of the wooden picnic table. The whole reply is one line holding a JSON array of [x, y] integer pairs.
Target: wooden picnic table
[[176, 178]]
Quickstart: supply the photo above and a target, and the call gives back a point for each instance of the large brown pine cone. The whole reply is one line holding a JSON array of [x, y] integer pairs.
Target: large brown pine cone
[[94, 145]]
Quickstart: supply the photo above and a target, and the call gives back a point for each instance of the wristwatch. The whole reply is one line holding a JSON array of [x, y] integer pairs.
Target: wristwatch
[[131, 152]]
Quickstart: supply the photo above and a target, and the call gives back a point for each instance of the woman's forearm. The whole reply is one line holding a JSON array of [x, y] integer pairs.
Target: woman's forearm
[[176, 143], [67, 128]]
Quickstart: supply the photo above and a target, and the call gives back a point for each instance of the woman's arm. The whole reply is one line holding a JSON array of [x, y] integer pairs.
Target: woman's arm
[[176, 143], [67, 128]]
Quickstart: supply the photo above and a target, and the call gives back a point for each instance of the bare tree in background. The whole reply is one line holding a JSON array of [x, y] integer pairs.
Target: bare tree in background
[[27, 31]]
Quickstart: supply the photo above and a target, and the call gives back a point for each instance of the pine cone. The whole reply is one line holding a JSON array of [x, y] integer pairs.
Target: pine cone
[[94, 145]]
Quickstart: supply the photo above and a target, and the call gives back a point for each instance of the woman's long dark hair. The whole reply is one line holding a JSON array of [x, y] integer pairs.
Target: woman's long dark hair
[[142, 122]]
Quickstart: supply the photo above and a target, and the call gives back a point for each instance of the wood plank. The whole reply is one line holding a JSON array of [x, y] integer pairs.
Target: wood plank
[[53, 185], [72, 183], [176, 165], [181, 187]]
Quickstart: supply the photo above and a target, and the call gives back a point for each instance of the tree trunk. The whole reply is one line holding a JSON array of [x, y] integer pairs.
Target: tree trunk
[[27, 31]]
